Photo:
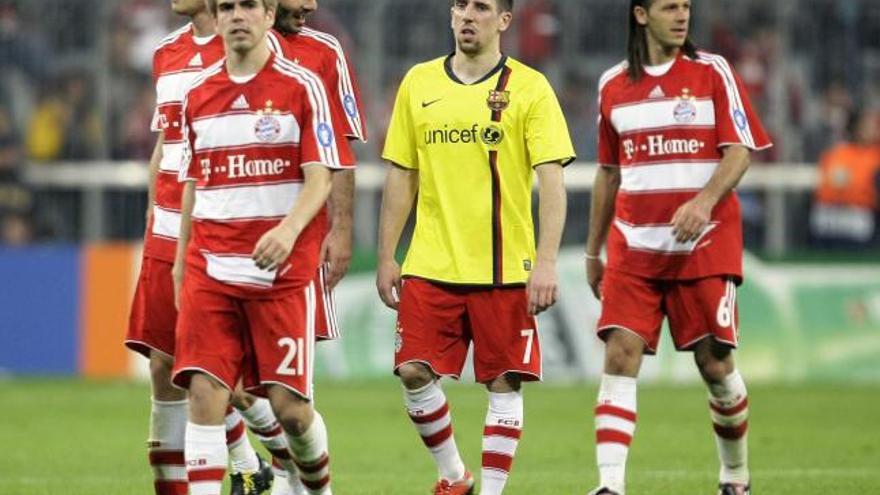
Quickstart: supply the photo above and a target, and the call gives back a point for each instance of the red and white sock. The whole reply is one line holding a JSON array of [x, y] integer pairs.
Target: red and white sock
[[311, 454], [242, 456], [501, 435], [429, 412], [206, 458], [261, 420], [166, 443], [615, 427], [729, 408]]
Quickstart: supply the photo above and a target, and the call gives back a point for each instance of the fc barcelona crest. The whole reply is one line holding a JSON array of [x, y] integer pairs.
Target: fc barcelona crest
[[498, 100]]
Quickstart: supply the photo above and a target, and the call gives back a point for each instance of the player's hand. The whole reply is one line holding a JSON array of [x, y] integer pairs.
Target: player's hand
[[690, 220], [274, 247], [388, 283], [595, 274], [542, 288], [177, 279], [336, 252]]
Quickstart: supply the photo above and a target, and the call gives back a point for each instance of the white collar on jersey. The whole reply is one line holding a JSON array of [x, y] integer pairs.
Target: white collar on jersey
[[203, 40], [659, 70], [242, 79]]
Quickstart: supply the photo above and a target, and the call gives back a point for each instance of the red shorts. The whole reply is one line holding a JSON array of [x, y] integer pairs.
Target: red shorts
[[326, 323], [696, 309], [153, 315], [436, 324], [261, 341]]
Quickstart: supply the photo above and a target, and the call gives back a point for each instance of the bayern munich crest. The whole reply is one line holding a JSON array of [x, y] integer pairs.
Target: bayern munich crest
[[498, 100], [685, 111], [268, 128]]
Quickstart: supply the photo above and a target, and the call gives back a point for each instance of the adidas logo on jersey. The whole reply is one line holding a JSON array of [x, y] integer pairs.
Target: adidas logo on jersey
[[657, 92], [241, 103], [196, 61]]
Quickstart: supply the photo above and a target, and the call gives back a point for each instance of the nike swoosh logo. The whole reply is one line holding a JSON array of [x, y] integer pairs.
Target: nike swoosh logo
[[426, 104]]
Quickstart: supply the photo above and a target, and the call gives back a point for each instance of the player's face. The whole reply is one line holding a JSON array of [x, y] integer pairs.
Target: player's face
[[478, 24], [188, 7], [666, 21], [243, 23], [292, 13]]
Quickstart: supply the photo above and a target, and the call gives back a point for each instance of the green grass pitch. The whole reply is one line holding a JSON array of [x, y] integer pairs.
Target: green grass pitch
[[66, 437]]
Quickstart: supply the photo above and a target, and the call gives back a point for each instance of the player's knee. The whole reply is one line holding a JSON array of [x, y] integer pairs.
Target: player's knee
[[509, 382], [294, 413], [207, 399], [160, 367], [714, 370], [714, 361], [623, 354], [242, 400], [415, 375], [160, 377]]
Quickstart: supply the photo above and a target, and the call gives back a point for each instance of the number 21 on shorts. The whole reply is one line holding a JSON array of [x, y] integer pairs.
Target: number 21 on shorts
[[529, 335], [295, 351]]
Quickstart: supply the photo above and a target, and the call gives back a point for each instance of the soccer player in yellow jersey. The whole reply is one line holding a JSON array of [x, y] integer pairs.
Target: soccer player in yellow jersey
[[468, 133]]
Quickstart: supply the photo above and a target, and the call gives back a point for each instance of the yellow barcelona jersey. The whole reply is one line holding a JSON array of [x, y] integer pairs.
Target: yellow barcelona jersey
[[475, 147]]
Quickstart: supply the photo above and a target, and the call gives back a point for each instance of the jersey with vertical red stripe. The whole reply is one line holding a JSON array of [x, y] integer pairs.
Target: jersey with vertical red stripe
[[667, 132], [246, 146], [177, 60], [322, 53]]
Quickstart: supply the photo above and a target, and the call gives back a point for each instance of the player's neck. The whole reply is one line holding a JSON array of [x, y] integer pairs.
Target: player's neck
[[250, 62], [659, 54], [203, 24], [471, 68]]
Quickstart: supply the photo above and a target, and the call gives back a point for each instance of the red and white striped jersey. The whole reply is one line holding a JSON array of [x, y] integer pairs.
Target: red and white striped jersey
[[666, 133], [178, 59], [322, 53], [246, 143]]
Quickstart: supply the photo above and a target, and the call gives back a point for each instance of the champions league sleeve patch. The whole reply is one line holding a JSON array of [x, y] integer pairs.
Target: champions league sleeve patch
[[325, 135], [350, 106]]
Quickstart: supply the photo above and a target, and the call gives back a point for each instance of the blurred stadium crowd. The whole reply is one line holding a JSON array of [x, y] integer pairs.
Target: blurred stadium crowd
[[75, 84]]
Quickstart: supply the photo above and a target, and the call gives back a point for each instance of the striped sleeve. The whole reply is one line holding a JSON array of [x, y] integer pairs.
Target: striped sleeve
[[346, 86], [318, 143], [187, 171], [155, 123], [608, 140], [736, 121]]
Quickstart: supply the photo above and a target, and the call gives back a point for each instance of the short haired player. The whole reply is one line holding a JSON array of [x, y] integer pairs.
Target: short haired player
[[468, 134], [178, 59], [259, 150]]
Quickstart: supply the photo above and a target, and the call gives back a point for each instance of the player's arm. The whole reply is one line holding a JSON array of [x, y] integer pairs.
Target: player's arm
[[692, 217], [155, 161], [398, 196], [337, 247], [188, 201], [276, 244], [543, 284], [605, 187]]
